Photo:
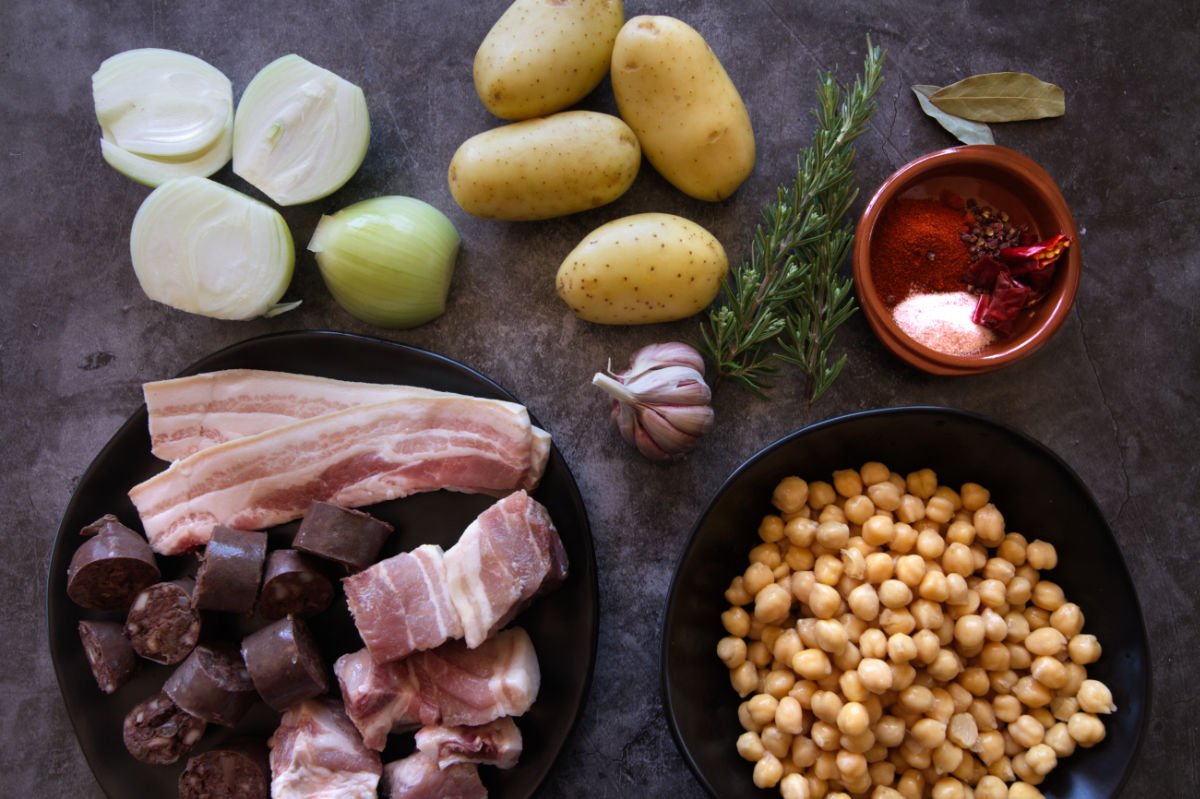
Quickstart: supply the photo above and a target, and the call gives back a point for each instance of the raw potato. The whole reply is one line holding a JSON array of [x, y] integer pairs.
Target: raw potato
[[687, 114], [542, 168], [643, 268], [544, 55]]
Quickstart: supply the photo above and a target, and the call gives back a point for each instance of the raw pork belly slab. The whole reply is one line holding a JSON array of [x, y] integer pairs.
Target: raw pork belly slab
[[497, 743], [451, 685], [188, 414], [505, 558], [419, 777], [354, 457], [316, 753], [402, 604]]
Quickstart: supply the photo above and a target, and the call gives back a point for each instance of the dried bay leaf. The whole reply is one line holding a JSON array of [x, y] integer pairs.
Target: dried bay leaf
[[1001, 97], [964, 130]]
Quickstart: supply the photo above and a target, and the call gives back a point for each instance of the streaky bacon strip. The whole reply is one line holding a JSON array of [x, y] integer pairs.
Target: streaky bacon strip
[[188, 414], [497, 743], [402, 604], [451, 685], [316, 753], [506, 557], [354, 457], [418, 776]]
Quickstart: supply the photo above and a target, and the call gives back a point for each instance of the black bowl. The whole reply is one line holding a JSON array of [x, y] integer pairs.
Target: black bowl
[[1039, 496]]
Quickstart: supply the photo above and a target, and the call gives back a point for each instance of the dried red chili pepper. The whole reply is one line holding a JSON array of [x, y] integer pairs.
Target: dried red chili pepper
[[998, 310], [1043, 252]]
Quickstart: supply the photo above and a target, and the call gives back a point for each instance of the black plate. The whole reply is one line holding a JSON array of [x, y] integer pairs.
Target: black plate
[[1036, 491], [563, 624]]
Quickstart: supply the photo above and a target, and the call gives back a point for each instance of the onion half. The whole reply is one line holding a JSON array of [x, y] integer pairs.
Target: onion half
[[206, 249], [388, 260], [300, 131], [163, 114]]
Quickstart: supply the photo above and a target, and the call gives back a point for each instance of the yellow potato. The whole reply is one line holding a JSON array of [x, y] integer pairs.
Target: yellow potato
[[687, 114], [544, 55], [642, 268], [541, 168]]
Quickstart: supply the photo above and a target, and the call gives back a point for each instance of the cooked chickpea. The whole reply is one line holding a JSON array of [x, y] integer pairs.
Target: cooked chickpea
[[768, 771], [789, 715], [859, 509], [873, 643], [851, 764], [795, 786], [812, 664], [940, 510], [985, 717], [911, 509], [1026, 731], [790, 495], [1084, 649], [1032, 693], [946, 666], [928, 646], [991, 787], [847, 482], [1041, 555], [916, 698], [1048, 596], [820, 494], [1049, 671], [825, 736], [767, 554], [1046, 641], [779, 682], [772, 604], [901, 648], [804, 751], [886, 495], [904, 538], [1007, 707], [1095, 697], [828, 570], [995, 627], [879, 568], [736, 622], [1059, 739], [736, 593], [848, 659], [875, 674], [928, 733], [864, 602], [957, 591], [776, 741], [948, 787], [889, 731], [898, 620], [969, 633], [1086, 729], [990, 746], [826, 705], [800, 531], [831, 636], [744, 678], [799, 559], [1023, 790], [770, 529], [823, 600], [1018, 627], [762, 708], [750, 747], [732, 651], [989, 525], [957, 559], [874, 472], [894, 594], [877, 531], [1067, 619], [757, 653]]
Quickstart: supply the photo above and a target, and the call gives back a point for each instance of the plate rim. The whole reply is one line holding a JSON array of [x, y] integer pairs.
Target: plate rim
[[139, 418], [931, 410]]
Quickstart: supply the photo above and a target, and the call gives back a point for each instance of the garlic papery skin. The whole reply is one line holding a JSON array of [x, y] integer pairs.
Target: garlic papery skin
[[661, 404]]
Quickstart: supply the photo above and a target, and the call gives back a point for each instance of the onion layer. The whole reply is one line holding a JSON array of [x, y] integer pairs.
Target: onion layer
[[163, 114], [300, 131], [389, 260], [206, 249]]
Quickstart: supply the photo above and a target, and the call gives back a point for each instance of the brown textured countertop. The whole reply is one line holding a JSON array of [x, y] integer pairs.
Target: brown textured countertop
[[1115, 393]]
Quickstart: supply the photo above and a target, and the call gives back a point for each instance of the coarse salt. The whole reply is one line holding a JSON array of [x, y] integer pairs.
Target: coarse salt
[[942, 322]]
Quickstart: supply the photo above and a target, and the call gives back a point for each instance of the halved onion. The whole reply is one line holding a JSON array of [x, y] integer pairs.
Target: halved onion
[[300, 131], [206, 249], [163, 114], [388, 260]]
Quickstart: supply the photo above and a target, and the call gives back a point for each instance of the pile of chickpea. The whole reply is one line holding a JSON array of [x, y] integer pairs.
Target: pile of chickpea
[[892, 640]]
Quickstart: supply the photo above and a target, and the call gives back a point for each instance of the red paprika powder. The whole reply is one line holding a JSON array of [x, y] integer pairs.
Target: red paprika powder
[[918, 248]]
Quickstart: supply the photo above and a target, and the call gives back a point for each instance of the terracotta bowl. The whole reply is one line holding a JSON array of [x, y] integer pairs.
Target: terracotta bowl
[[1008, 181]]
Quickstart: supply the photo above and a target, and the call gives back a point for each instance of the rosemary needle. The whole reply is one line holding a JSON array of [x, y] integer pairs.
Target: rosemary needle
[[787, 299]]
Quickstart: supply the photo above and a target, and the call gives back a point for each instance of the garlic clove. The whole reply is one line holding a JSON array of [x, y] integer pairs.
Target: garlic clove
[[679, 385], [694, 420], [656, 356]]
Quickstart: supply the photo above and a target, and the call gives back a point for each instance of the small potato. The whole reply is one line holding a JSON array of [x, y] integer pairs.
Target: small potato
[[544, 55], [687, 113], [547, 167], [641, 269]]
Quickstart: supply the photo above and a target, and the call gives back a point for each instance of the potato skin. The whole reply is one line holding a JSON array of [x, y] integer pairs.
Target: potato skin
[[541, 168], [544, 55], [688, 115], [641, 269]]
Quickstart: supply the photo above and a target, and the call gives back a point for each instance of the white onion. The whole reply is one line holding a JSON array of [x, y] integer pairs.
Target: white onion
[[206, 249], [163, 114], [388, 260], [300, 131]]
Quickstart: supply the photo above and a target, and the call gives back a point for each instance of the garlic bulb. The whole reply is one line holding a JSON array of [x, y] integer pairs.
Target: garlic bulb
[[661, 402]]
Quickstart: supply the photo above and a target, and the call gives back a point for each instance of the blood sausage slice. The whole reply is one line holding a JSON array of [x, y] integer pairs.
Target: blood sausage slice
[[342, 535], [108, 652], [294, 584], [111, 567], [284, 663], [162, 625], [158, 732], [236, 770], [230, 571], [212, 684]]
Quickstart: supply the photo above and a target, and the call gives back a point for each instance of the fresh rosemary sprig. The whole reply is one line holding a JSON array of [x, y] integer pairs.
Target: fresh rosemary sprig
[[786, 300]]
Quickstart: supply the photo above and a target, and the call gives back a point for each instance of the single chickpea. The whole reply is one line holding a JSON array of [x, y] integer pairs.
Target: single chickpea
[[794, 786], [894, 594], [802, 583], [736, 622], [1043, 716], [745, 720], [826, 705], [957, 559], [800, 531], [1007, 708], [851, 764], [991, 787], [828, 569], [985, 717], [1095, 697], [989, 525], [960, 531], [883, 774], [1059, 739], [1046, 641], [744, 678], [910, 570], [904, 538], [1032, 693], [940, 510], [786, 645], [1024, 790], [776, 741], [1048, 596], [916, 698], [825, 736], [946, 758], [943, 705], [804, 751], [930, 545], [790, 494], [847, 482], [911, 784], [852, 687], [886, 495], [858, 509], [1018, 627], [820, 494], [903, 675], [901, 648], [946, 666], [803, 692], [772, 604], [873, 643], [895, 621], [974, 680], [1002, 768], [864, 602], [995, 628], [875, 674], [833, 534], [732, 651], [929, 733], [823, 600], [848, 659], [789, 715], [928, 646], [767, 554], [927, 614], [1026, 731], [1029, 573], [1041, 555], [992, 594], [762, 708], [750, 747], [957, 591], [854, 565], [921, 483], [1003, 681], [770, 529], [1049, 671], [799, 559], [990, 747], [736, 593], [877, 531], [879, 567], [911, 509], [758, 654], [812, 664], [779, 682], [768, 771], [1063, 706], [1067, 619], [969, 633], [1084, 649], [873, 472], [1019, 591], [974, 496], [962, 731]]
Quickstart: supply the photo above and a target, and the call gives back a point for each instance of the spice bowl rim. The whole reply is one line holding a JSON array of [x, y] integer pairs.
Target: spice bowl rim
[[1052, 311]]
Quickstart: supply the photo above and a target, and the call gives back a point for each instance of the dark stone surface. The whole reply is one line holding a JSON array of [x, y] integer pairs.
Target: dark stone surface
[[1115, 393]]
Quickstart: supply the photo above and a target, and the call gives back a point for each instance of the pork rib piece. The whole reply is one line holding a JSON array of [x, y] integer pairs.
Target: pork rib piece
[[497, 743], [316, 754], [353, 457], [506, 557], [402, 604], [450, 685], [419, 777], [188, 414]]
